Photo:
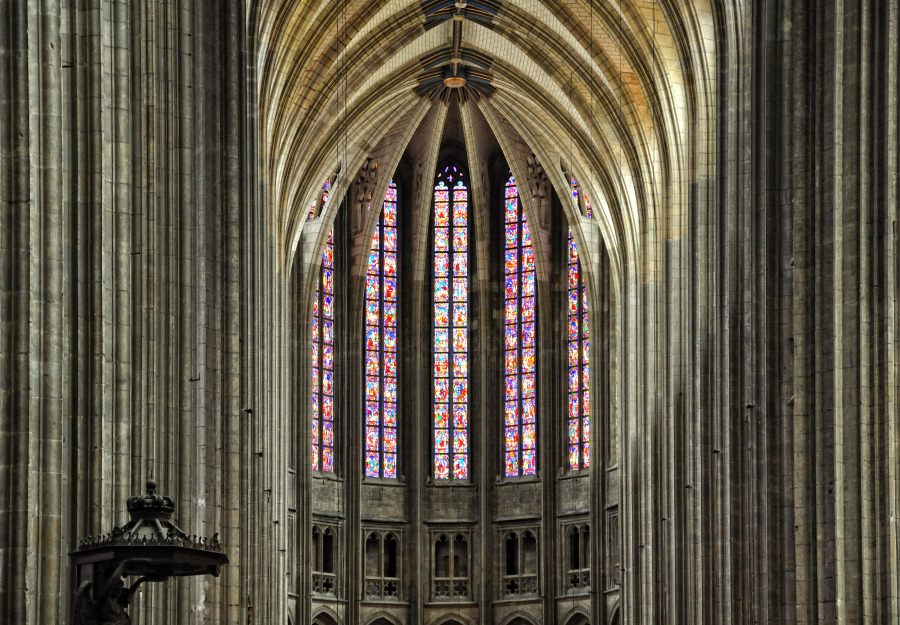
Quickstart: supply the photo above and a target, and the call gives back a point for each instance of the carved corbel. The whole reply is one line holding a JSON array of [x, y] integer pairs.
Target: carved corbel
[[363, 188], [537, 187]]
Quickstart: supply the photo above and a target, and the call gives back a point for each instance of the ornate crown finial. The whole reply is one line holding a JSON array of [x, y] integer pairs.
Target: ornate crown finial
[[151, 505]]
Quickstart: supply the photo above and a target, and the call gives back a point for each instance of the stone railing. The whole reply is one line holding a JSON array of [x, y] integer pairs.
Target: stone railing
[[383, 588], [444, 588], [324, 583], [578, 580], [519, 585]]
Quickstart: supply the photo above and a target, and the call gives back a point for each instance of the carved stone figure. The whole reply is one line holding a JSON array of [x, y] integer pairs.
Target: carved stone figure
[[107, 607]]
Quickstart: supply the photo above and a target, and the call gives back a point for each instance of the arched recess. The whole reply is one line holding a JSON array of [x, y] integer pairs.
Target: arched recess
[[577, 617], [383, 619], [615, 617], [324, 617], [517, 618]]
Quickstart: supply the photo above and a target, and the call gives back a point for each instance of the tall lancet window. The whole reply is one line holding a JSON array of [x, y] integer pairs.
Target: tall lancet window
[[579, 357], [322, 408], [381, 344], [451, 326], [521, 409]]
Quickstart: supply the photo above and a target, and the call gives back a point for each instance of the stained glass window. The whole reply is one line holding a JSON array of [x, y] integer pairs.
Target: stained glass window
[[579, 357], [451, 326], [322, 408], [381, 344], [520, 449]]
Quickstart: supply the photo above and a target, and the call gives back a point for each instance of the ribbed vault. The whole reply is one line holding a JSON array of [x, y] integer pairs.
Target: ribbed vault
[[613, 93]]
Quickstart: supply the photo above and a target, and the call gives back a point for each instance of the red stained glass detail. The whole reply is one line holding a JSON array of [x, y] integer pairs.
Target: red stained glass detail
[[441, 264], [512, 412], [441, 441], [441, 340], [460, 337], [372, 363], [460, 466], [390, 365], [460, 441], [460, 418], [372, 437], [460, 314], [460, 264], [460, 240], [441, 314], [528, 360], [372, 309], [441, 416], [442, 365], [512, 387], [390, 440], [390, 415], [441, 389], [390, 465], [441, 239], [528, 309], [512, 311], [528, 385], [390, 265], [441, 466], [512, 261], [390, 313], [529, 411], [512, 338]]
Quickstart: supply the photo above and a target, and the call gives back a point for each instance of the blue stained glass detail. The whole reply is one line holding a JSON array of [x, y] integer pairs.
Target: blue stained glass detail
[[390, 465], [441, 289], [390, 313], [372, 415], [460, 418], [372, 338], [460, 365], [460, 288], [390, 414], [512, 287], [460, 466], [390, 440], [390, 340], [372, 463]]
